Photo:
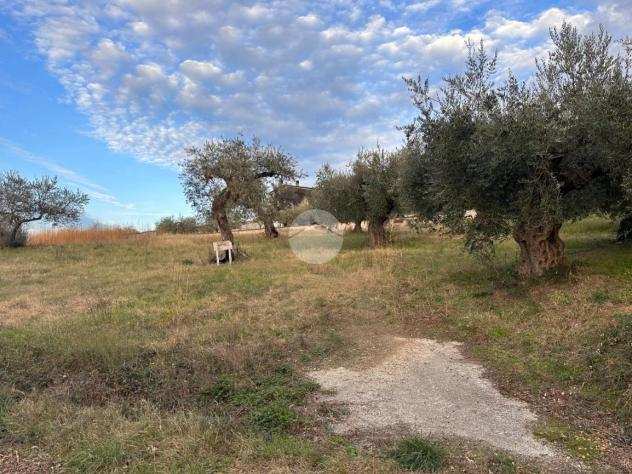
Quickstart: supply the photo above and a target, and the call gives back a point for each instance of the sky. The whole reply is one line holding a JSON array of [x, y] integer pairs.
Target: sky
[[106, 95]]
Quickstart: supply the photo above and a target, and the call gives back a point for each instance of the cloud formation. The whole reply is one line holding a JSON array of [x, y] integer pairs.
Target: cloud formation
[[319, 78]]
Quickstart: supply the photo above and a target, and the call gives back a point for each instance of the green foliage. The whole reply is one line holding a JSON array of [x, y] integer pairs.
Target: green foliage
[[367, 191], [23, 201], [278, 445], [417, 454], [273, 201], [339, 193], [180, 225], [524, 155], [376, 171], [289, 214], [232, 175]]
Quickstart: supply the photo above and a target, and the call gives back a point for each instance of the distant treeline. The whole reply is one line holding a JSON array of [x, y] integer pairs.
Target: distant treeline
[[183, 225]]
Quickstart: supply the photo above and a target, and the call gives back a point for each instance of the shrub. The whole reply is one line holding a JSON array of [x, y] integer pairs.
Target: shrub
[[416, 454], [177, 225]]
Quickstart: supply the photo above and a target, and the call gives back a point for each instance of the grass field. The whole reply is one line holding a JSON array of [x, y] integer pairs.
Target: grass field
[[138, 355]]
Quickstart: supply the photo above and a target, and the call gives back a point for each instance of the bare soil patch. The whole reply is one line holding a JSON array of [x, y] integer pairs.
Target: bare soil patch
[[428, 387]]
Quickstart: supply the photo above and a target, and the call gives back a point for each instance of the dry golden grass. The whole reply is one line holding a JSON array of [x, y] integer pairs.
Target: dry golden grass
[[81, 236]]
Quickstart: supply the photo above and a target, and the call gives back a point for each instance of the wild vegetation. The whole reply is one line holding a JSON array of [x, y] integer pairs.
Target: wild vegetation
[[138, 355], [135, 354], [230, 174], [67, 236], [367, 192], [179, 225], [526, 156], [23, 201]]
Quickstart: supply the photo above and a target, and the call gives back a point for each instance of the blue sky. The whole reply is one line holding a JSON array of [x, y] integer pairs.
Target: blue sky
[[106, 95]]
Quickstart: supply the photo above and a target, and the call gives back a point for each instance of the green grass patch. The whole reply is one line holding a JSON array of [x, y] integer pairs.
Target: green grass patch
[[575, 442], [418, 454], [97, 456]]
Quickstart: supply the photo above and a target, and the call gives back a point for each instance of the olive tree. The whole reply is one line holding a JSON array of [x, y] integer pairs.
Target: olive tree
[[268, 203], [340, 194], [367, 191], [224, 175], [526, 156], [23, 201]]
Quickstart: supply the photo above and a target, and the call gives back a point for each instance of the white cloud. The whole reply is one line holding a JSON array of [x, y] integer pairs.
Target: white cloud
[[502, 27], [307, 65], [200, 70], [140, 28], [418, 7], [320, 78], [311, 20]]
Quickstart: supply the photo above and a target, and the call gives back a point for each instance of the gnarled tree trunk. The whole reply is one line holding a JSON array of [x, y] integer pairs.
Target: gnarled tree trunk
[[541, 249], [270, 229], [377, 232], [624, 232], [13, 240], [219, 213], [357, 226]]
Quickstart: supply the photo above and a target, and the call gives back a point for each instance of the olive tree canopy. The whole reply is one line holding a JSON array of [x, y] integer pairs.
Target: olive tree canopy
[[340, 194], [227, 174], [43, 199], [368, 191], [527, 156]]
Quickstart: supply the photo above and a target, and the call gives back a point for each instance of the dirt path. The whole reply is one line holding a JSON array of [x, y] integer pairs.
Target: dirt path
[[428, 387]]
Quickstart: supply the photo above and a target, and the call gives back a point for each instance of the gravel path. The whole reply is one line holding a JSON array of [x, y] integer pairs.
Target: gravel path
[[428, 387]]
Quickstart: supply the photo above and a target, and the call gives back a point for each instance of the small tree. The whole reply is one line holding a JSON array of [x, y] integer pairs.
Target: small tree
[[224, 175], [377, 171], [340, 193], [367, 192], [23, 201], [526, 157], [269, 202]]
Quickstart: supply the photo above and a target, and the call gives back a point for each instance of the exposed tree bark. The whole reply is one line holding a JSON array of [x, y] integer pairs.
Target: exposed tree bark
[[270, 229], [541, 249], [357, 227], [13, 242], [377, 232], [624, 232], [219, 213]]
